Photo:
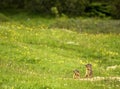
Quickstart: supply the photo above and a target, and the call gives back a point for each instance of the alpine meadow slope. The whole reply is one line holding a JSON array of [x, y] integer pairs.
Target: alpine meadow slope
[[38, 57]]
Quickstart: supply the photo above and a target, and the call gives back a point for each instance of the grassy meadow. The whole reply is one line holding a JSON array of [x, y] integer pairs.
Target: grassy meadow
[[40, 53]]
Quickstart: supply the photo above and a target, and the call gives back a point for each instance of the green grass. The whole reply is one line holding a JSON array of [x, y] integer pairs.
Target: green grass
[[34, 56]]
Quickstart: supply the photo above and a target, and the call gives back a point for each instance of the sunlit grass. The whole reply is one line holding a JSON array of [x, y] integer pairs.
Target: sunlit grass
[[36, 57]]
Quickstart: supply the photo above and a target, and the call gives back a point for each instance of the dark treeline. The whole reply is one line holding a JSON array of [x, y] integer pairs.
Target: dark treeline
[[89, 8]]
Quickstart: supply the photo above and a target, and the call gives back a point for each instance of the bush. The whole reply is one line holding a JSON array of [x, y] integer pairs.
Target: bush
[[3, 18], [98, 9], [91, 8], [116, 9], [54, 11], [73, 7]]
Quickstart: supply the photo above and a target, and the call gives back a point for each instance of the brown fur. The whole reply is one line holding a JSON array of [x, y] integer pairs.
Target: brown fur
[[89, 72], [76, 74]]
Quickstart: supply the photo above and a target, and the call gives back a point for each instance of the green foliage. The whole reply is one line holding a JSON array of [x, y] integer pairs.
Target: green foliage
[[73, 7], [39, 6], [116, 9], [55, 12], [98, 9], [13, 4], [91, 8], [3, 18], [68, 7]]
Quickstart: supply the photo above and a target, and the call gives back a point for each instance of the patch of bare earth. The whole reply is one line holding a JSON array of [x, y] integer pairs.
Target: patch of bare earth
[[96, 78]]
